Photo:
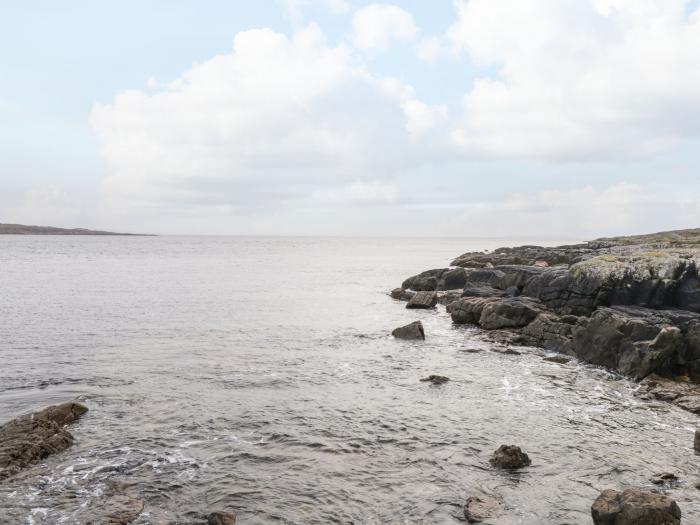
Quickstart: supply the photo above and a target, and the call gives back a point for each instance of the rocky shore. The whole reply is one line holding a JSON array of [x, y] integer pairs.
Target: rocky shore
[[629, 304]]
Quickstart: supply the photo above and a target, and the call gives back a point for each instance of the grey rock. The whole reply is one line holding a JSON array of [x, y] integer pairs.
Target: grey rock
[[634, 507], [401, 295], [423, 300], [412, 331], [696, 441]]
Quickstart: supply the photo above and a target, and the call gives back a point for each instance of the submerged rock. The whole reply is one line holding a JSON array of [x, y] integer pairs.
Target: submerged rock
[[410, 331], [664, 478], [29, 438], [510, 457], [436, 380], [482, 508], [561, 359], [221, 518], [634, 507], [121, 509], [423, 300], [401, 295]]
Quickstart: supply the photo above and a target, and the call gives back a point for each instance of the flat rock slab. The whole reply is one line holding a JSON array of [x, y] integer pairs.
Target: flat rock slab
[[411, 331], [482, 508], [33, 437], [634, 507], [423, 300]]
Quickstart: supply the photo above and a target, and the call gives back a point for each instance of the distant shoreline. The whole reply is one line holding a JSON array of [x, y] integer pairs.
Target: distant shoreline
[[21, 229]]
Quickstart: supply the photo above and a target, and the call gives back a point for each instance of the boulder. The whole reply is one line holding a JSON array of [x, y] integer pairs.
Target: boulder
[[411, 331], [423, 300], [33, 437], [634, 506], [510, 312], [436, 380], [510, 457], [439, 279], [221, 518], [482, 508]]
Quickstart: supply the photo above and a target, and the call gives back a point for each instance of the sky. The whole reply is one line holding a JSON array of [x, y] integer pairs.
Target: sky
[[569, 119]]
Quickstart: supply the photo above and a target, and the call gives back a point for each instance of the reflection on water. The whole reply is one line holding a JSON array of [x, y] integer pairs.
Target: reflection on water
[[256, 374]]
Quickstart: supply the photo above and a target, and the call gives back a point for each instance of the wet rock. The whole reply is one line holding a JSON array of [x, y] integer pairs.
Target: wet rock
[[436, 380], [696, 441], [447, 298], [482, 508], [423, 300], [682, 393], [468, 309], [401, 295], [33, 437], [411, 331], [221, 518], [634, 507], [482, 290], [664, 478], [506, 351], [510, 457], [121, 509]]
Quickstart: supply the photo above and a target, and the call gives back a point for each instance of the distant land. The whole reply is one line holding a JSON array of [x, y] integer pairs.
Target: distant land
[[21, 229]]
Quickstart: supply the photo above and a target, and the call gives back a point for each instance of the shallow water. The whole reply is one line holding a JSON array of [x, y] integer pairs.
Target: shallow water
[[257, 374]]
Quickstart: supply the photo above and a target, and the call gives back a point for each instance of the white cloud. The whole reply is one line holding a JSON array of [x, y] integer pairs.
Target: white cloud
[[295, 8], [578, 78], [581, 213], [276, 119], [429, 49], [377, 25], [358, 192]]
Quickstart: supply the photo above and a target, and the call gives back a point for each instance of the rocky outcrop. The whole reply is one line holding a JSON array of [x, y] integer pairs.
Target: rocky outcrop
[[482, 508], [412, 331], [629, 304], [36, 436], [423, 300], [510, 457], [634, 507]]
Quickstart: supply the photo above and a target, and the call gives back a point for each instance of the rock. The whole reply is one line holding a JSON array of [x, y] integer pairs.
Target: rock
[[439, 279], [121, 509], [33, 437], [696, 441], [664, 478], [481, 508], [557, 359], [506, 351], [468, 309], [436, 380], [401, 295], [634, 507], [221, 518], [410, 331], [423, 300], [510, 457], [508, 312], [447, 298], [684, 394], [482, 290]]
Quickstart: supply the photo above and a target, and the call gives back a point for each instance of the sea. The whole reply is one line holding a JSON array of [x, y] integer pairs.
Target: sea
[[257, 375]]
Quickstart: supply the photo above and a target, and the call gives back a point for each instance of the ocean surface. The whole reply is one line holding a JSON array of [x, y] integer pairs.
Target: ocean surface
[[257, 375]]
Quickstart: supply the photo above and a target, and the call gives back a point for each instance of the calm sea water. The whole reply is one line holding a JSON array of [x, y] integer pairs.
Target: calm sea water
[[257, 375]]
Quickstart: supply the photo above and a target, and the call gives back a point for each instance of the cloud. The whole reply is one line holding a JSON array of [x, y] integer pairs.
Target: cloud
[[275, 120], [377, 25], [581, 213], [429, 49], [295, 8], [578, 79]]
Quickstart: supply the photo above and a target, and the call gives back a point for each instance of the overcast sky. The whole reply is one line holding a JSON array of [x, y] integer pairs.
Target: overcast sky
[[531, 118]]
